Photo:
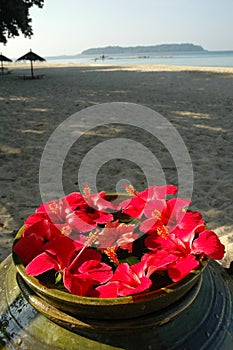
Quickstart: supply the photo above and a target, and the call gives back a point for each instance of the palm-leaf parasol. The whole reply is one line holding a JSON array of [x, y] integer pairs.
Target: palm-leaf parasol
[[31, 56], [4, 59]]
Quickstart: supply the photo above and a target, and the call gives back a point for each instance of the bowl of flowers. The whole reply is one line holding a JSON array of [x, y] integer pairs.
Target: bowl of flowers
[[114, 256]]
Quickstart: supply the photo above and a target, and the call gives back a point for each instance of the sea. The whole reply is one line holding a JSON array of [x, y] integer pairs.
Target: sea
[[202, 58]]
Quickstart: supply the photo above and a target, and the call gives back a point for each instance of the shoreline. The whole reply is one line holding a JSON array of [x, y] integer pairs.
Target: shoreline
[[136, 67]]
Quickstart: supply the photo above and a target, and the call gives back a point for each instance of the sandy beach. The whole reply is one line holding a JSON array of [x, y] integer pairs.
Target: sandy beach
[[198, 101]]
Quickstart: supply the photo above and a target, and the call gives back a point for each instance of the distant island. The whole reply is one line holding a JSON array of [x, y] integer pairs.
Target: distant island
[[143, 49]]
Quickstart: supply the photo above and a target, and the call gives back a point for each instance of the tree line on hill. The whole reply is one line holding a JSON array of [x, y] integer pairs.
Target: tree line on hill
[[184, 47]]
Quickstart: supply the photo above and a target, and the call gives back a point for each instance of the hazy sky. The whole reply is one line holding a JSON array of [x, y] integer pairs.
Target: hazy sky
[[71, 26]]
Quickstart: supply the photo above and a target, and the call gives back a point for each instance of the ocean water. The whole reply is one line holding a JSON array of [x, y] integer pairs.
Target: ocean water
[[205, 59]]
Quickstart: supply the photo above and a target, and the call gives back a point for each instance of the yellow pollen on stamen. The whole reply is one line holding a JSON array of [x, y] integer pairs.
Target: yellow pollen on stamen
[[111, 253], [92, 238], [156, 214], [162, 231], [86, 190], [53, 207], [66, 230], [130, 190]]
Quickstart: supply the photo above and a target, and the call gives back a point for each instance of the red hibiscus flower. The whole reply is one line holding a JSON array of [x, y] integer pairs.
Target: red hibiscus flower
[[172, 215], [86, 272], [155, 211], [58, 254], [157, 261], [127, 280], [117, 234], [87, 217], [56, 212], [135, 207], [209, 243], [34, 240], [185, 247], [74, 212], [81, 269]]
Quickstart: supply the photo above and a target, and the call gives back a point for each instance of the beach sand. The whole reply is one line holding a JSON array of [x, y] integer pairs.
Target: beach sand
[[198, 101]]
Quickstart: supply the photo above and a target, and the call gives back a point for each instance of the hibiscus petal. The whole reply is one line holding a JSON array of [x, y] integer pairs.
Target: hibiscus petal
[[43, 228], [99, 202], [127, 280], [192, 219], [70, 203], [40, 264], [117, 234], [154, 242], [157, 261], [176, 205], [138, 269], [63, 248], [86, 255], [34, 218], [154, 208], [51, 210], [182, 267], [135, 207], [124, 204], [103, 217], [131, 279], [149, 225], [97, 272], [126, 241], [77, 284], [187, 225], [28, 247], [208, 243], [124, 274], [124, 290], [109, 290], [80, 221], [160, 192]]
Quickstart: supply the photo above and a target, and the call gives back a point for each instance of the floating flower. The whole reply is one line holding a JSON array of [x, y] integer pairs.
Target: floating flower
[[58, 254], [86, 218], [87, 271], [184, 248], [116, 234], [127, 280], [136, 206], [34, 239], [80, 269]]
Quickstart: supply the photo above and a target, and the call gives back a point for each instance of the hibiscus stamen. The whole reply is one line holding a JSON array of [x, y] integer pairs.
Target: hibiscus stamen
[[53, 206], [111, 253], [156, 214], [86, 191], [92, 237], [163, 231], [130, 190], [66, 230]]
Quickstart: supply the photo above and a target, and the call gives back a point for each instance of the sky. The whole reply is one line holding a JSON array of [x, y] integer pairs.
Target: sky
[[71, 26]]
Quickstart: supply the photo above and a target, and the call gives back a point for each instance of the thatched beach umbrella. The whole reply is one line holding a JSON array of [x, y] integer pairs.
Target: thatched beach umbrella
[[4, 59], [31, 56]]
